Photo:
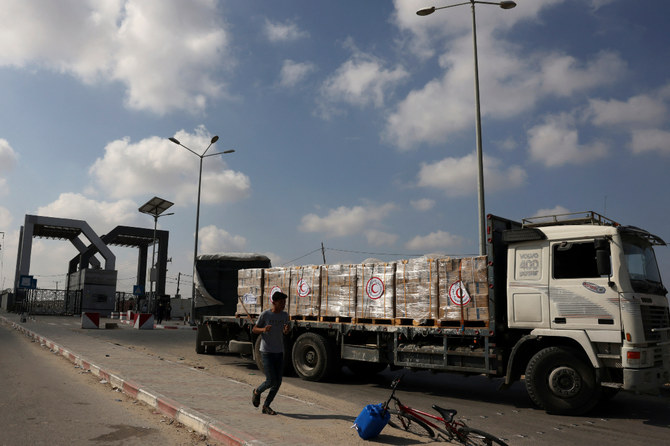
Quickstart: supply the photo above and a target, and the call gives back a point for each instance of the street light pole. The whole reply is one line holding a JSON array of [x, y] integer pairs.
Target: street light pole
[[481, 209], [197, 211], [153, 252], [154, 207]]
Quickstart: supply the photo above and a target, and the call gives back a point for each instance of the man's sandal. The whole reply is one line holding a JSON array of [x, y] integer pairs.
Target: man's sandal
[[268, 410], [256, 399]]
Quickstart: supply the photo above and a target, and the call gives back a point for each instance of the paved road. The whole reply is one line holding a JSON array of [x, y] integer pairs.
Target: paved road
[[311, 413], [45, 400]]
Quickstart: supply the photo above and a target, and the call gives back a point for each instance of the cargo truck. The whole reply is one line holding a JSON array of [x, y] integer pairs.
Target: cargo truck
[[572, 303]]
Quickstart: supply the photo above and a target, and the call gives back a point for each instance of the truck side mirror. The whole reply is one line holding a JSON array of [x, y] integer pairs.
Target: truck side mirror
[[603, 257]]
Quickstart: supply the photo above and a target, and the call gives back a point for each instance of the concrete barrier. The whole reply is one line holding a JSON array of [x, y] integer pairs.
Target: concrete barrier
[[90, 320], [144, 321]]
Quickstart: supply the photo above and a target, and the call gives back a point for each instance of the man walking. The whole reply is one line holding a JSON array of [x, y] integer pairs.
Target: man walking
[[272, 325]]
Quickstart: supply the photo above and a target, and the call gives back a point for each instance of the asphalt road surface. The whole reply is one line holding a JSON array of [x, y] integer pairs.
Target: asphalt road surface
[[626, 419], [45, 400]]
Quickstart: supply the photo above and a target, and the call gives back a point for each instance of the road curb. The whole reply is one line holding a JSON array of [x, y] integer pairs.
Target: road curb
[[199, 423]]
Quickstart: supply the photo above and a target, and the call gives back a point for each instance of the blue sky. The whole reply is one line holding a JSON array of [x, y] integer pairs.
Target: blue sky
[[353, 123]]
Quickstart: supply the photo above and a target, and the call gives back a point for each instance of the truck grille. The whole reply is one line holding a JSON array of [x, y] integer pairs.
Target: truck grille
[[654, 317]]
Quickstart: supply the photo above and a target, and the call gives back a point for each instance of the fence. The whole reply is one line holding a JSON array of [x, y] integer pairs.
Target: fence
[[51, 302]]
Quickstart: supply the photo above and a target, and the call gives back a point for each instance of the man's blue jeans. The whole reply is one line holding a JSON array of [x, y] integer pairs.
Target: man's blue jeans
[[273, 364]]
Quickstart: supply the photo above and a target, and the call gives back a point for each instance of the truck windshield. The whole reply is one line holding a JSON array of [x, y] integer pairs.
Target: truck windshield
[[642, 266]]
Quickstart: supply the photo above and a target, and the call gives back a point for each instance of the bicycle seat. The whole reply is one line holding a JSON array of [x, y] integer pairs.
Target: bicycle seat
[[447, 414]]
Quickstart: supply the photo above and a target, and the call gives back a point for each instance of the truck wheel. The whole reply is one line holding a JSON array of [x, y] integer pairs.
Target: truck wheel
[[313, 359], [559, 381]]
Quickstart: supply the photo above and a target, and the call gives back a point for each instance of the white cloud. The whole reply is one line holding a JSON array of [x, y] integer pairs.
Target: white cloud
[[5, 218], [637, 110], [361, 81], [564, 75], [102, 216], [345, 221], [434, 240], [212, 240], [423, 204], [556, 210], [555, 143], [597, 4], [8, 156], [380, 238], [511, 83], [649, 140], [165, 52], [7, 162], [157, 166], [292, 73], [458, 176], [283, 32]]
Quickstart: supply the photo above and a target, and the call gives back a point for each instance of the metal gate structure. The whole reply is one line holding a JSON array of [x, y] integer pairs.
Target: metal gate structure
[[49, 302]]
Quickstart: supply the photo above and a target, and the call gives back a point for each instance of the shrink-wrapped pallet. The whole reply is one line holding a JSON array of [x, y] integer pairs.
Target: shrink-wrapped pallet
[[338, 293], [306, 292], [375, 291], [417, 289], [463, 288], [250, 291], [276, 279]]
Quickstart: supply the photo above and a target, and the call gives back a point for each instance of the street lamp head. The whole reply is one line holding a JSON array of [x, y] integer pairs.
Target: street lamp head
[[426, 11], [175, 140], [229, 151], [214, 139], [507, 5]]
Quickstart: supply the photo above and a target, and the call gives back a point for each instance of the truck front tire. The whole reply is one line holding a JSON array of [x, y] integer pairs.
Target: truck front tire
[[313, 359], [559, 381]]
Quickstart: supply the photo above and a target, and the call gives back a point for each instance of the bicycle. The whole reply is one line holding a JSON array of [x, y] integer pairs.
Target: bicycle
[[423, 423]]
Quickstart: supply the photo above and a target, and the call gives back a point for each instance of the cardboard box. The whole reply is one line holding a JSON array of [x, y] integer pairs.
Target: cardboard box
[[306, 293], [417, 289], [338, 292], [250, 291], [276, 279], [463, 286], [375, 290]]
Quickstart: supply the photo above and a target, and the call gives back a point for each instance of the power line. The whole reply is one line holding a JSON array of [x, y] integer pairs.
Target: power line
[[303, 256], [374, 253]]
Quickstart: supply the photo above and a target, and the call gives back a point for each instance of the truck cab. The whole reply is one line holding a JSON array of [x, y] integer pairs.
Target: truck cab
[[584, 292]]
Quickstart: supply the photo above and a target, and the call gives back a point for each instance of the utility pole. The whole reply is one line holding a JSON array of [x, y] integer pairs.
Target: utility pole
[[323, 253], [178, 277]]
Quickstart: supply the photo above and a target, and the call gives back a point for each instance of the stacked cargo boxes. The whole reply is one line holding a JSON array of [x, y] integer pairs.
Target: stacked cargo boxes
[[338, 295], [250, 291], [306, 293], [375, 291], [417, 289], [463, 289], [276, 279]]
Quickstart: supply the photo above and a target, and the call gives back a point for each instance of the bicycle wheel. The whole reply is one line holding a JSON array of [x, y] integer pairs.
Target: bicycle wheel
[[410, 423], [475, 437]]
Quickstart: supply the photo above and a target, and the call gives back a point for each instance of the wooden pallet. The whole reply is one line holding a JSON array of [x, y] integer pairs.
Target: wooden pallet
[[457, 323], [415, 322], [298, 317], [374, 321], [341, 319]]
